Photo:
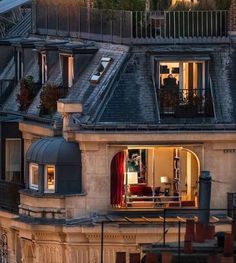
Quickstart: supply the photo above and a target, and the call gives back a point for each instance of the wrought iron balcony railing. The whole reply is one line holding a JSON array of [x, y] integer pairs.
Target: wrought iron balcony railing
[[185, 102]]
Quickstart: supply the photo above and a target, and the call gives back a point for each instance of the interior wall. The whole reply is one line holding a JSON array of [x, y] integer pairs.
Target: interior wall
[[183, 171], [150, 166], [194, 172], [163, 164]]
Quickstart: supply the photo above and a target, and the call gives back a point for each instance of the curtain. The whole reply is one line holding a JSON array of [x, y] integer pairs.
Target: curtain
[[117, 178], [13, 160]]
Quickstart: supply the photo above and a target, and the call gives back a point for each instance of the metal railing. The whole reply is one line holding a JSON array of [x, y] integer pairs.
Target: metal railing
[[121, 26], [185, 102], [164, 221], [9, 196], [6, 87]]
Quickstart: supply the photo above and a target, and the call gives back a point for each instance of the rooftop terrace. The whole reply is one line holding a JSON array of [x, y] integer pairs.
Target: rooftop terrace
[[131, 27]]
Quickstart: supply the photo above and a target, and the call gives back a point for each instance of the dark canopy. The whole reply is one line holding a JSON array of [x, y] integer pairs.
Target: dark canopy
[[54, 150]]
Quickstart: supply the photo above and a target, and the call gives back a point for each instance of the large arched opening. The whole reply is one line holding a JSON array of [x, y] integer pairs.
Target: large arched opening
[[154, 176]]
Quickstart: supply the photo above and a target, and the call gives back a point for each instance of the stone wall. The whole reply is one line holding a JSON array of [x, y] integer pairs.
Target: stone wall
[[232, 17]]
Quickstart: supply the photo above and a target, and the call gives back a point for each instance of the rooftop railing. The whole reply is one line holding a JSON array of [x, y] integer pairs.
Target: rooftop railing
[[129, 27]]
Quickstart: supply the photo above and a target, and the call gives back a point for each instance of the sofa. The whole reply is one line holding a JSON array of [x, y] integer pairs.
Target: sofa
[[143, 190]]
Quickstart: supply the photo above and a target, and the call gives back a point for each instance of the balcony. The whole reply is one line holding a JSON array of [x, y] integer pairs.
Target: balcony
[[185, 102], [130, 27], [9, 196]]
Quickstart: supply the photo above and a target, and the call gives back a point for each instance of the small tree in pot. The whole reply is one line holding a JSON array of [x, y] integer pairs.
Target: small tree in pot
[[27, 93], [48, 99]]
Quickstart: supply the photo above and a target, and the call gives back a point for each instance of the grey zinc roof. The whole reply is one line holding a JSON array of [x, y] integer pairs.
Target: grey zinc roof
[[8, 5], [133, 102], [22, 28], [54, 150], [92, 96], [134, 98]]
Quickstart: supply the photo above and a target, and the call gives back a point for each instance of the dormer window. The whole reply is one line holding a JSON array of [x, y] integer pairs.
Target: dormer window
[[54, 166], [100, 70], [67, 70], [44, 69], [34, 176], [49, 177], [184, 88]]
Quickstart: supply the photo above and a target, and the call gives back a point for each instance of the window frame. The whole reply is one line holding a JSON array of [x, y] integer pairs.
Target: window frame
[[181, 71], [46, 190], [20, 157], [44, 68], [31, 185]]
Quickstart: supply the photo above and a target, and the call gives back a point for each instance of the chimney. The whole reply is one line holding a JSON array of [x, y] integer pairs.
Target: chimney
[[232, 18]]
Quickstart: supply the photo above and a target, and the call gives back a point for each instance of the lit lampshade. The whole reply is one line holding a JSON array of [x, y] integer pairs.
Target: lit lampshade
[[164, 180], [132, 177]]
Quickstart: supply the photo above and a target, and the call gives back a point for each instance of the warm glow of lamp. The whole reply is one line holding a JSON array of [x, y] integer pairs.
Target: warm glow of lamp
[[132, 177], [164, 180]]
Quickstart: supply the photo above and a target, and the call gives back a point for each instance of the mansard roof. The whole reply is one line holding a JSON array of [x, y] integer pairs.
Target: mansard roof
[[125, 97], [131, 102]]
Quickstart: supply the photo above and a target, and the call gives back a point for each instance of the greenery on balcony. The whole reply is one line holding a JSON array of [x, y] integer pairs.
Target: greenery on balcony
[[202, 5], [139, 5], [120, 4], [185, 103], [28, 90], [49, 97]]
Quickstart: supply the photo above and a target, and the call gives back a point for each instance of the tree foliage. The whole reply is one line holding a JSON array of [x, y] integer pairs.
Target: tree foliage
[[223, 4], [48, 99], [121, 4], [27, 93]]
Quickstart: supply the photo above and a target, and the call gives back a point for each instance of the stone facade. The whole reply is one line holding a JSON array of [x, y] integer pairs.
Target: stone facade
[[232, 17]]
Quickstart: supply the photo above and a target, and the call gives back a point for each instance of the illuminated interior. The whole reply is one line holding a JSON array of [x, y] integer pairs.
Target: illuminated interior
[[173, 2], [50, 178], [158, 176], [182, 84], [182, 75], [70, 71]]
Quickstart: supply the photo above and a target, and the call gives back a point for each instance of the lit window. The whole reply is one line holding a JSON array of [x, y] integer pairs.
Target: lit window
[[34, 176], [50, 178], [44, 68], [182, 75], [182, 83]]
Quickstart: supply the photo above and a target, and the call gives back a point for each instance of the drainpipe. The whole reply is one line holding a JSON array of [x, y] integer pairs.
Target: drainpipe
[[204, 197]]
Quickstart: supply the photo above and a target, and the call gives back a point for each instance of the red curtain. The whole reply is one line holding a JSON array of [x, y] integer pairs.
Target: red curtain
[[117, 178]]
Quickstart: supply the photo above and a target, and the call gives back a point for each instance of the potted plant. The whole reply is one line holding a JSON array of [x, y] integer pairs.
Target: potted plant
[[48, 99], [28, 91]]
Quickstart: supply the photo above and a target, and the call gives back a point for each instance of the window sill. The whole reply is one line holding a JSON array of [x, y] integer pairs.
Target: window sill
[[35, 193]]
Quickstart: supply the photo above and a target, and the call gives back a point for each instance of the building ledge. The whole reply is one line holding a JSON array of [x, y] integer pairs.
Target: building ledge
[[69, 106]]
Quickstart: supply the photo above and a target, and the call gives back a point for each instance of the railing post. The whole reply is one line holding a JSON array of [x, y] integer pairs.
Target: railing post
[[179, 248], [164, 228], [102, 241]]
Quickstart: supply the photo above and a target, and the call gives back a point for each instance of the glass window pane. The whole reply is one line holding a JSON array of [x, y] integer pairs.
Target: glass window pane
[[169, 74], [13, 160], [50, 179], [34, 176]]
